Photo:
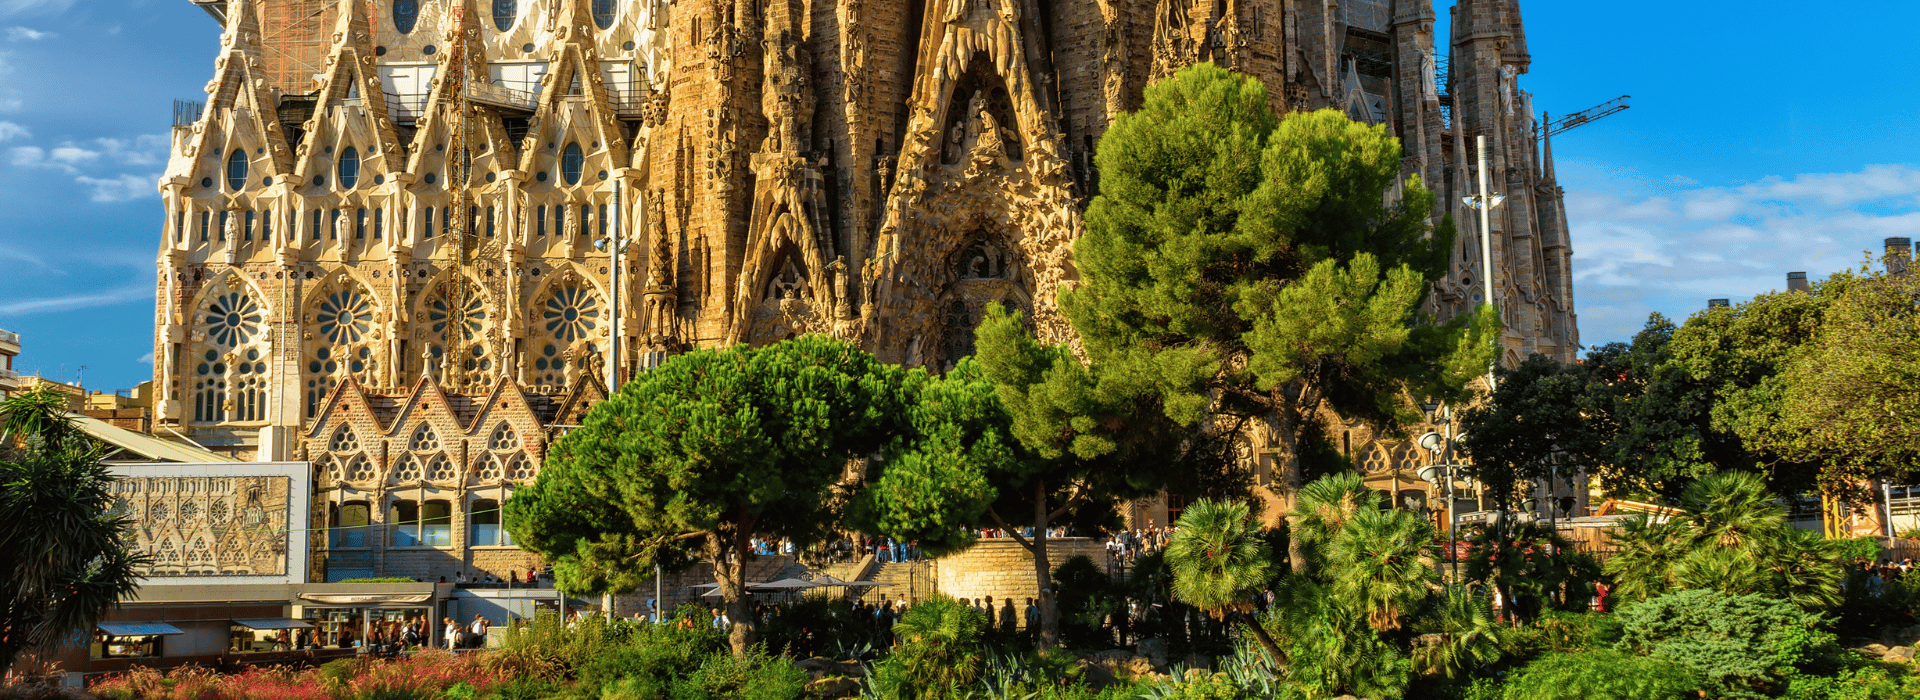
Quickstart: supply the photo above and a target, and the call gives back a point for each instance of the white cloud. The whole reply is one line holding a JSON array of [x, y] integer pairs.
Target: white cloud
[[146, 359], [10, 131], [124, 188], [28, 34], [26, 257], [1642, 246], [77, 301], [33, 7]]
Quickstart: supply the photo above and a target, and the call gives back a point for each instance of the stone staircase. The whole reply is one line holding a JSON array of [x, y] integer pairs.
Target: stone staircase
[[911, 580]]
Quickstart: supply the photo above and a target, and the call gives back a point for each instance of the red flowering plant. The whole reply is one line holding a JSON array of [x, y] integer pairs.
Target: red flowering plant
[[1531, 567], [426, 674]]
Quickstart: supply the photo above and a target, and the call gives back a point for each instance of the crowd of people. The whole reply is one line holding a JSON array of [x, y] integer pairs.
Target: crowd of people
[[1127, 546]]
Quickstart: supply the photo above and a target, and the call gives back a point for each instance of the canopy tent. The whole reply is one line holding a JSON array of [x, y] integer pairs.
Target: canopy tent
[[272, 623], [138, 629]]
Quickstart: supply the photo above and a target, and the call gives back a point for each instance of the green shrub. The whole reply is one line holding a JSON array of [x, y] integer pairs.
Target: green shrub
[[598, 651], [1859, 681], [754, 676], [938, 656], [1743, 646], [1604, 674]]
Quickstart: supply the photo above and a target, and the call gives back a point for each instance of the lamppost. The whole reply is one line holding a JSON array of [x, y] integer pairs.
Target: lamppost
[[1485, 202], [617, 254], [1444, 474]]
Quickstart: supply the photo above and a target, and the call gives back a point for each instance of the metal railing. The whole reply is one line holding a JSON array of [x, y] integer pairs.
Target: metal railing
[[503, 96], [407, 108], [628, 104], [186, 112]]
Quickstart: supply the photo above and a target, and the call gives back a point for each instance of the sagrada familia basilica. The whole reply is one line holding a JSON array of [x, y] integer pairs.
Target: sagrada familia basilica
[[411, 241]]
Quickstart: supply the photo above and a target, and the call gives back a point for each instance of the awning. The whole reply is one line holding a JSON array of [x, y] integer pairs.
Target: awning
[[272, 623], [371, 599], [138, 629]]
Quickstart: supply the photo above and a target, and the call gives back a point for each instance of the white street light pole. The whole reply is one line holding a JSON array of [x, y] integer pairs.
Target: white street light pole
[[1485, 202]]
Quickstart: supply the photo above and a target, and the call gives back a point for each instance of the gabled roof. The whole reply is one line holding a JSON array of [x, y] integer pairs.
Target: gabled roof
[[146, 447]]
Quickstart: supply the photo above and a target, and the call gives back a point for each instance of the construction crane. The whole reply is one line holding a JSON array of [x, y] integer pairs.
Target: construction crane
[[1554, 127]]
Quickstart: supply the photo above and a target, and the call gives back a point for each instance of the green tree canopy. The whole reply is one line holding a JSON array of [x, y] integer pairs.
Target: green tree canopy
[[1241, 267], [68, 550], [697, 456], [1219, 562]]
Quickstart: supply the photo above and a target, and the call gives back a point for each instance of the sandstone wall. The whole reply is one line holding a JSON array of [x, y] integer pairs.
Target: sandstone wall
[[1002, 568]]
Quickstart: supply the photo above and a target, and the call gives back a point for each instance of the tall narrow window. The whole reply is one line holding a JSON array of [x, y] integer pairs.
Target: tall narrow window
[[446, 220], [349, 168], [237, 170], [333, 225], [360, 223], [405, 14], [586, 223], [179, 226], [540, 221], [266, 226], [223, 224], [377, 216], [560, 220], [204, 216], [427, 231], [572, 161], [604, 12], [603, 220], [489, 221], [317, 224], [503, 14], [246, 227]]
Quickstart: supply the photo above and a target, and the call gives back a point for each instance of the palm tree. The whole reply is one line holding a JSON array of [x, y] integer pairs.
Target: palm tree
[[1379, 564], [1321, 511], [1468, 635], [67, 549], [1219, 562], [1647, 549], [1728, 508]]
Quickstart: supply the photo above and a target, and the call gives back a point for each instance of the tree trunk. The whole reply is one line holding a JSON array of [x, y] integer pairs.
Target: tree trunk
[[1252, 621], [1043, 570], [1286, 428], [731, 573]]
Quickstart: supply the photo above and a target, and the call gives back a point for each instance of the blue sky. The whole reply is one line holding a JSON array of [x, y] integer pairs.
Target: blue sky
[[1765, 137]]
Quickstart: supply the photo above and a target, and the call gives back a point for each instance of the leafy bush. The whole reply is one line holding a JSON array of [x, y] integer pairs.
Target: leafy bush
[[938, 655], [1859, 681], [598, 651], [1605, 674], [753, 676], [1330, 648], [1739, 644], [819, 627]]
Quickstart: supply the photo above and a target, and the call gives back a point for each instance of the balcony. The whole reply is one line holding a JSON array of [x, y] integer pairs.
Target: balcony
[[503, 97]]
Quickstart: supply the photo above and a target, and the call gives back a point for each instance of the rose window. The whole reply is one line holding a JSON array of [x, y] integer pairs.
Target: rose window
[[189, 512], [440, 469], [425, 440], [490, 469], [159, 511], [504, 439], [233, 319], [345, 317], [409, 470], [520, 468], [467, 312], [360, 469], [218, 512], [571, 313], [344, 441]]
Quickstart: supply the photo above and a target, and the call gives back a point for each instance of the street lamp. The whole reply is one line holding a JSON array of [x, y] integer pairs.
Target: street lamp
[[1485, 202], [617, 253], [1444, 474]]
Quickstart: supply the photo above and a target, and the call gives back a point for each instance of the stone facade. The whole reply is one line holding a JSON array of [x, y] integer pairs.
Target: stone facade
[[1002, 568], [406, 206]]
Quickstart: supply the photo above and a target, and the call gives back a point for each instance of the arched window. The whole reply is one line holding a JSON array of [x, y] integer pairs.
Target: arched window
[[489, 470], [440, 468], [604, 12], [572, 161], [407, 471], [360, 468], [250, 387], [520, 468], [403, 520], [504, 439], [237, 170], [344, 441], [503, 13], [484, 525], [210, 389], [349, 168], [436, 524], [349, 527], [571, 313], [424, 440], [405, 13]]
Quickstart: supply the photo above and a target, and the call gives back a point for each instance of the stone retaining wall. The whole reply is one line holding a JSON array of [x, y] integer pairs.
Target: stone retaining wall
[[1002, 568]]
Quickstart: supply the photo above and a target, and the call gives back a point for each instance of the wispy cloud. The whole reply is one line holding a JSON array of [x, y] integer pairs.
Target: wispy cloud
[[7, 253], [123, 188], [1669, 244], [76, 301], [33, 7], [10, 131], [146, 359], [28, 34]]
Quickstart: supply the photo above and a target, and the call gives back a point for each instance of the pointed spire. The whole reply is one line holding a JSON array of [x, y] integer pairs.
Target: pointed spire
[[1546, 161]]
